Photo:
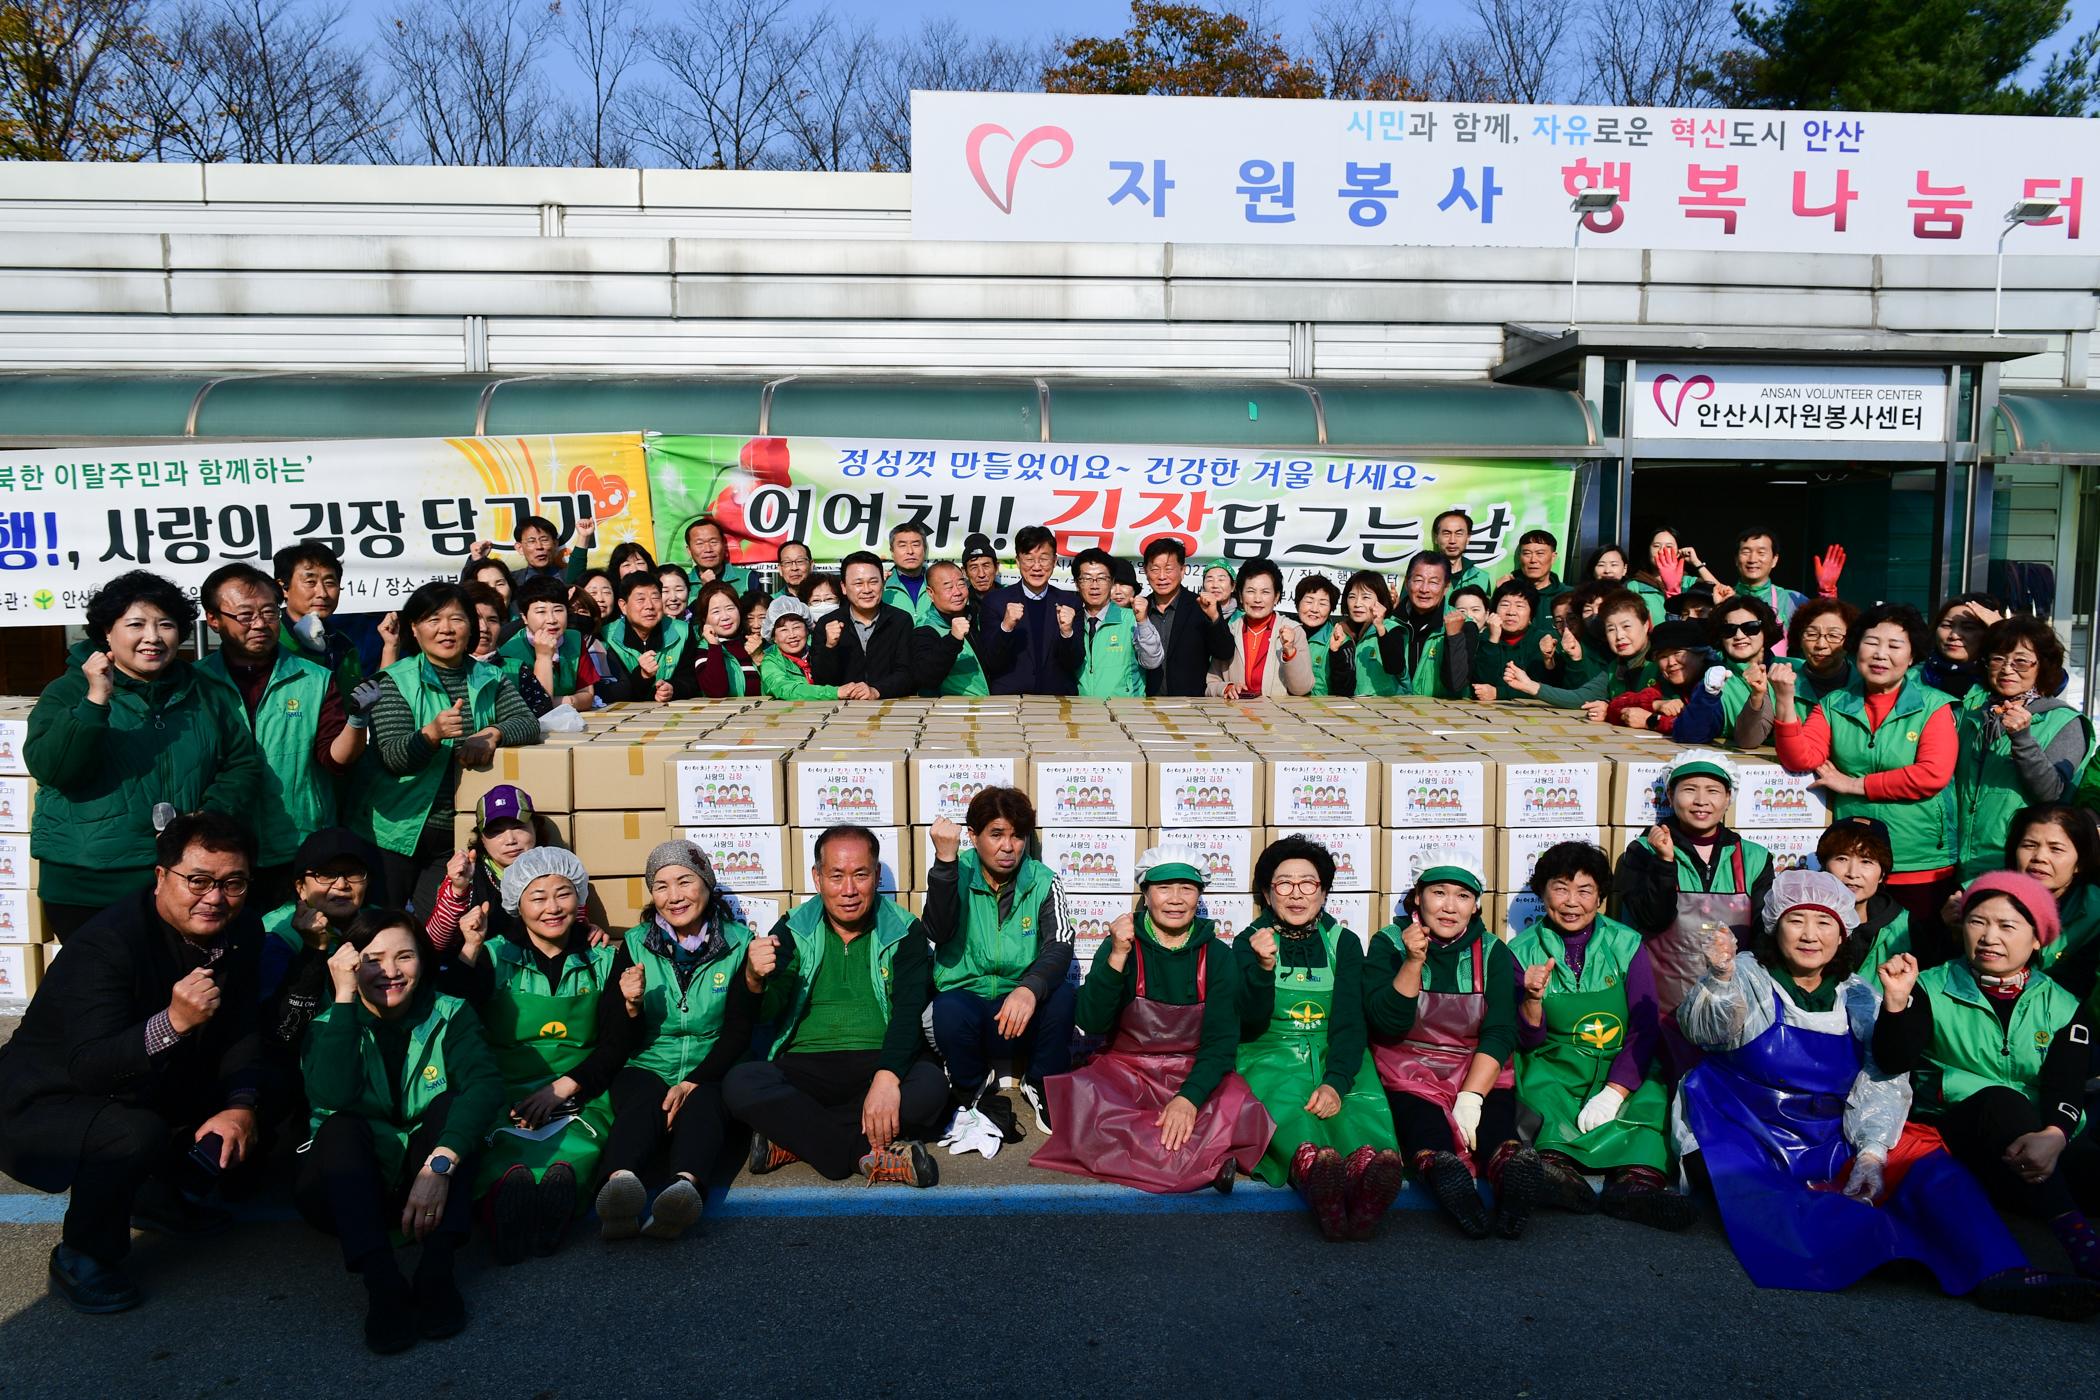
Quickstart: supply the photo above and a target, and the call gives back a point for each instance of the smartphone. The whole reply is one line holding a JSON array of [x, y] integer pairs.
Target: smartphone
[[205, 1152]]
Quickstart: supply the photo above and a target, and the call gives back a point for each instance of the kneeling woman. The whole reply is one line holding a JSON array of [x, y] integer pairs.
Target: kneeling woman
[[1998, 1053], [680, 977], [1162, 1108], [1442, 1004], [403, 1087], [1302, 1046], [1588, 1029], [1818, 1176], [558, 1041]]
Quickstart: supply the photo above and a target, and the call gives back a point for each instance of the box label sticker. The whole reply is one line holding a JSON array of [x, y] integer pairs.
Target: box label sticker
[[1550, 794], [1768, 795], [744, 857], [14, 804], [1437, 794], [1225, 855], [1230, 912], [1206, 794], [887, 851], [1647, 801], [1320, 794], [1091, 860], [713, 791], [1355, 855], [1084, 794], [1409, 853], [946, 785], [14, 733], [14, 862], [861, 793]]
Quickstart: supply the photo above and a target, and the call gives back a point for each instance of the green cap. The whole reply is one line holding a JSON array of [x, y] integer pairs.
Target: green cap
[[1449, 874], [1174, 870], [1701, 768]]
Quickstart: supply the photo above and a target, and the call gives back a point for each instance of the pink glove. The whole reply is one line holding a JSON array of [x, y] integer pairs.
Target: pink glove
[[1671, 569], [1828, 567]]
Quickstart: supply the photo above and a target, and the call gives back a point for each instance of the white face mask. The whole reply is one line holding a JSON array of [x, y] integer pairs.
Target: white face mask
[[819, 611]]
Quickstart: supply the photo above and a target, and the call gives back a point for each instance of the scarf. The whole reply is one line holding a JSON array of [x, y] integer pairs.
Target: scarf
[[2006, 987], [1994, 724]]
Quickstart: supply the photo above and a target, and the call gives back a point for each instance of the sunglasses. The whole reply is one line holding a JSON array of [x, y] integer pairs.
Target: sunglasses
[[1752, 628]]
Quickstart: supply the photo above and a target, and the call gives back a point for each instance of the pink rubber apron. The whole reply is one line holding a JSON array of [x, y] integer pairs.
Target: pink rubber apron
[[1678, 955], [1105, 1112], [1431, 1060]]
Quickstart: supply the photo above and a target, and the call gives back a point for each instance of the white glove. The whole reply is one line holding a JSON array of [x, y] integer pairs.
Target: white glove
[[1601, 1109], [1866, 1182], [960, 1132], [1716, 677], [1466, 1113], [988, 1139]]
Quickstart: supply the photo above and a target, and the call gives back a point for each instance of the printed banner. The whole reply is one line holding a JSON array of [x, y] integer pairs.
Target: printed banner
[[398, 512], [1836, 403], [1306, 509], [1045, 167]]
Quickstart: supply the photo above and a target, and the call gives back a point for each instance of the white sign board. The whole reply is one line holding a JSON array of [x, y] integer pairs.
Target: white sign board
[[1802, 403], [1049, 167]]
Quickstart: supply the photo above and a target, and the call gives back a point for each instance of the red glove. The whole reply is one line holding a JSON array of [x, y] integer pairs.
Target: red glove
[[1671, 570], [1828, 567]]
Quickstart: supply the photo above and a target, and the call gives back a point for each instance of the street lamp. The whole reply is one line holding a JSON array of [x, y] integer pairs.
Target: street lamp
[[1582, 206], [2026, 211]]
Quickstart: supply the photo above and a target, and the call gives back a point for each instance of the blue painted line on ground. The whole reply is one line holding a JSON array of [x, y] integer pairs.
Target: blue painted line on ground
[[790, 1202]]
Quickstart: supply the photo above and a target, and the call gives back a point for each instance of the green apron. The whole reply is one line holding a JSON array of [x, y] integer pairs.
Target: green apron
[[1286, 1063], [537, 1038], [1585, 1023]]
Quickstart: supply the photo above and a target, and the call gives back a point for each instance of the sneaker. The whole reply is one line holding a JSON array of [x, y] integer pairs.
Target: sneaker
[[513, 1210], [1565, 1187], [621, 1201], [767, 1156], [1377, 1187], [1644, 1203], [1222, 1182], [1451, 1183], [677, 1208], [1523, 1186], [90, 1285], [553, 1207], [998, 1110], [1320, 1177], [164, 1210], [390, 1321], [906, 1162], [440, 1311], [2032, 1293], [1039, 1103]]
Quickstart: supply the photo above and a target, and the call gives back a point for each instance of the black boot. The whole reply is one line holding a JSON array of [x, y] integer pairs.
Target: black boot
[[1452, 1184], [90, 1285]]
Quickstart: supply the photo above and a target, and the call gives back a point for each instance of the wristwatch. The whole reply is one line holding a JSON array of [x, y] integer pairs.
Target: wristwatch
[[440, 1164]]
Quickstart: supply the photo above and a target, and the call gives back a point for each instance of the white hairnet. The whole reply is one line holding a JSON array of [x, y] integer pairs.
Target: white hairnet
[[1815, 889], [543, 860]]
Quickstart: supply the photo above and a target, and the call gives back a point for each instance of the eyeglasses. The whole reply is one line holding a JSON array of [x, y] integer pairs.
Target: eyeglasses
[[266, 616], [2018, 665], [320, 877], [234, 885], [1751, 628], [1310, 886]]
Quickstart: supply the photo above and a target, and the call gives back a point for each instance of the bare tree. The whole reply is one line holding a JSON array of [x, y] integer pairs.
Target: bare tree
[[731, 67], [467, 82], [255, 81], [1515, 45], [1366, 50], [825, 111], [1652, 53], [65, 67], [607, 43], [939, 58]]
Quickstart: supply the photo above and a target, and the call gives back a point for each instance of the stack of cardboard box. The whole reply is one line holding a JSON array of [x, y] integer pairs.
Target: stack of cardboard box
[[23, 949]]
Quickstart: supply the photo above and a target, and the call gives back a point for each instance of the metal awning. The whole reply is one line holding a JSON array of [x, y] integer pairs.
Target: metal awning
[[2049, 427]]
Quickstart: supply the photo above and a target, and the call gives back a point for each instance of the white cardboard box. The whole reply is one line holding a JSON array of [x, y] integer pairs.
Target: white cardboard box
[[745, 857], [1766, 795], [1090, 792], [1230, 912], [1409, 852], [1099, 860], [1323, 792], [1354, 848], [943, 784], [722, 788], [1225, 853], [14, 733], [14, 863], [1521, 848], [16, 798], [1792, 848], [1440, 794], [1207, 792], [1554, 794]]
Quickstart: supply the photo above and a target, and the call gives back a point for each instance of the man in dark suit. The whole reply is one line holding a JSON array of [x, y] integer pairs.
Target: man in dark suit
[[867, 643], [1026, 636], [133, 1078], [1192, 631]]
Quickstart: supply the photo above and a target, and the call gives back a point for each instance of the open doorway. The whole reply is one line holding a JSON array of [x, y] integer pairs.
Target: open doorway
[[1882, 514]]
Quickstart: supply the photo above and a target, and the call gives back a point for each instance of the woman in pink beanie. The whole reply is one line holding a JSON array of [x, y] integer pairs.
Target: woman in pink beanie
[[1998, 1053]]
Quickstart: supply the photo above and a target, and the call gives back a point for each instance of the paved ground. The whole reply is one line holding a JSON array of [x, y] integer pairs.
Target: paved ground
[[1042, 1286]]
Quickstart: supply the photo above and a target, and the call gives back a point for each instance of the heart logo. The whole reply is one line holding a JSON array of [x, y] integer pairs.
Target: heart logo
[[609, 494], [1671, 412], [973, 152]]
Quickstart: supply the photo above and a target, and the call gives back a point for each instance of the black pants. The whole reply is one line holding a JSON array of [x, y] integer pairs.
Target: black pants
[[64, 919], [810, 1104], [1420, 1125], [1979, 1129], [342, 1190], [638, 1125], [404, 874], [124, 1146]]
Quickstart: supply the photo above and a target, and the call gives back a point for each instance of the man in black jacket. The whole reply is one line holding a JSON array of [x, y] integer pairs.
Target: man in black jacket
[[1190, 628], [1026, 638], [134, 1076], [871, 644]]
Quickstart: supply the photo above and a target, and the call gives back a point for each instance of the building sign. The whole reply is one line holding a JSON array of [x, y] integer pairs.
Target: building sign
[[1085, 169], [398, 512], [1800, 403], [1306, 508]]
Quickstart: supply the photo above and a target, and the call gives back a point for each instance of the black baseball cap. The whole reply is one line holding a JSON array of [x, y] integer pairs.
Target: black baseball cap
[[977, 546]]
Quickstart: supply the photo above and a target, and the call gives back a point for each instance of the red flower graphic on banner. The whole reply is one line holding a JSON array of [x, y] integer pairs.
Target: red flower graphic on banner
[[766, 459]]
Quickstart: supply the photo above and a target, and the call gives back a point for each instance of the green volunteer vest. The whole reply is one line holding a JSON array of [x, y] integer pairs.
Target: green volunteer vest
[[1111, 667], [1658, 604], [680, 1026], [391, 810], [278, 922], [733, 667], [423, 1078], [966, 676], [2080, 911], [990, 957], [1756, 861], [615, 638], [806, 926], [1922, 833], [1987, 786], [898, 596], [297, 797], [1318, 640], [735, 575], [516, 657], [1371, 676], [1971, 1050]]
